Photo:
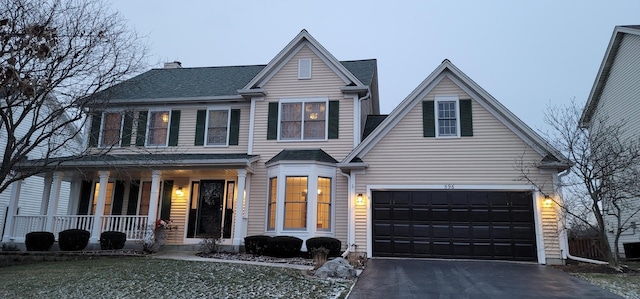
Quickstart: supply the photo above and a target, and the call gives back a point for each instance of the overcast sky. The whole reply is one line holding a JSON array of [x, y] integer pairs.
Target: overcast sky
[[528, 55]]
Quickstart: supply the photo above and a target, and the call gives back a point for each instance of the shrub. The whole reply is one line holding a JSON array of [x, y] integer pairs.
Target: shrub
[[319, 257], [334, 245], [73, 239], [112, 240], [39, 241], [284, 246], [256, 244]]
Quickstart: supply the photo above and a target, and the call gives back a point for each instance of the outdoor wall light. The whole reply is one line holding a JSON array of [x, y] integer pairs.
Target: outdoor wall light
[[547, 201], [179, 191], [360, 199]]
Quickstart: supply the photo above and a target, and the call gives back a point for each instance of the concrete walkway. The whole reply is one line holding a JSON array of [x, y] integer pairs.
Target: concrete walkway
[[191, 256]]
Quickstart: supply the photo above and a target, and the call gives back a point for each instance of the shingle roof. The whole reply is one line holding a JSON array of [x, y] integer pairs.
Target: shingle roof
[[371, 124], [362, 69], [141, 160], [206, 81], [303, 155]]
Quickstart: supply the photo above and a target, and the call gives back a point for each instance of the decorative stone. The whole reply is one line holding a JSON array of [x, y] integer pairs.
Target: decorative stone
[[336, 268]]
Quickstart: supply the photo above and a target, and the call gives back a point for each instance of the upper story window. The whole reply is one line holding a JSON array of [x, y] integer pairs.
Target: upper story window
[[218, 127], [305, 120], [110, 134], [158, 128], [304, 68], [447, 117]]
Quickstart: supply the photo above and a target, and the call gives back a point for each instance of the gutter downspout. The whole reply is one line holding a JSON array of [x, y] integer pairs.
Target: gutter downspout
[[350, 218], [564, 242], [358, 118]]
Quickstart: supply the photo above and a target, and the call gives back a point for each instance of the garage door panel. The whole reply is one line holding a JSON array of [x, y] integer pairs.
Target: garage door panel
[[458, 224]]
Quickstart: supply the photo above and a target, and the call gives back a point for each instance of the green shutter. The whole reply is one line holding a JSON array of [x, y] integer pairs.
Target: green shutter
[[165, 210], [174, 127], [96, 121], [85, 198], [201, 119], [127, 127], [132, 205], [334, 119], [234, 127], [118, 198], [272, 121], [142, 128], [428, 120], [466, 118]]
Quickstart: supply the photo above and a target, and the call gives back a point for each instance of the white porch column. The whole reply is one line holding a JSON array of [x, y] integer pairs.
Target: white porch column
[[155, 197], [13, 210], [53, 202], [46, 193], [74, 196], [97, 217], [238, 228]]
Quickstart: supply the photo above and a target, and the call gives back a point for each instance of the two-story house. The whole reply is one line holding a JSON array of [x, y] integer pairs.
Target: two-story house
[[614, 100], [297, 147]]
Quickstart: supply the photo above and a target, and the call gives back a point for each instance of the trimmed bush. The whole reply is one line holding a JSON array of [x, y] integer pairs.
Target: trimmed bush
[[284, 246], [256, 244], [39, 241], [73, 239], [332, 244], [112, 240]]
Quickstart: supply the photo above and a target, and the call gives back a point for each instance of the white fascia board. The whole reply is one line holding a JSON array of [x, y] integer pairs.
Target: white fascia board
[[300, 162], [506, 117], [290, 50], [397, 114], [515, 187]]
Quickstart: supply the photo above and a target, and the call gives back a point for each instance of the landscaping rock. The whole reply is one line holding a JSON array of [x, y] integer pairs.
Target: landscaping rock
[[336, 268]]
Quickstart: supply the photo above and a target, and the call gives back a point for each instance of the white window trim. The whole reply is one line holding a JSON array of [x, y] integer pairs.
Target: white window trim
[[312, 172], [446, 98], [304, 101], [166, 140], [102, 124], [206, 132], [303, 62]]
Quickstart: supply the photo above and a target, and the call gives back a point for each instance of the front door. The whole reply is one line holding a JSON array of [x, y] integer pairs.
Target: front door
[[205, 215]]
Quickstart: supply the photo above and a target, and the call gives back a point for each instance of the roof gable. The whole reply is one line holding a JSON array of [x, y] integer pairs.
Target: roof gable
[[604, 71], [301, 40], [447, 70]]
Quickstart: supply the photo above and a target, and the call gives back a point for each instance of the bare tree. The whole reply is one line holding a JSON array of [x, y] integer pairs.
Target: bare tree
[[602, 188], [54, 56]]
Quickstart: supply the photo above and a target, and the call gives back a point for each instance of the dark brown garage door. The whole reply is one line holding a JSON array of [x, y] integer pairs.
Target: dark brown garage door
[[454, 224]]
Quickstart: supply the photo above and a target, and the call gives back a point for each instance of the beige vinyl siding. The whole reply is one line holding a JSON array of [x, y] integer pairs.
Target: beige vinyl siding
[[285, 84], [620, 102], [341, 210], [487, 158], [187, 133], [179, 210]]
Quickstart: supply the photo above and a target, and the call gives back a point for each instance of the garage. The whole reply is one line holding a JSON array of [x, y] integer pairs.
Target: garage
[[454, 224]]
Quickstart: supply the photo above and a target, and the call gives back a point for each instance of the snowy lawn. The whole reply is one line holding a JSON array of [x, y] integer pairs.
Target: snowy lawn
[[155, 278], [625, 285]]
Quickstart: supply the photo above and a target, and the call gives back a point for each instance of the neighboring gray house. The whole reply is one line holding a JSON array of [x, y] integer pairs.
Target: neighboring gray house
[[615, 97], [32, 189]]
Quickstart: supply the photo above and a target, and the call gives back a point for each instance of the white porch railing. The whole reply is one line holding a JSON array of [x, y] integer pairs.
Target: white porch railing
[[25, 224], [133, 226]]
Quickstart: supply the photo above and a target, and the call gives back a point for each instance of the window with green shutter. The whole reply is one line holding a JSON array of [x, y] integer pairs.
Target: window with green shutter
[[201, 119], [234, 127], [141, 130], [447, 116], [174, 127]]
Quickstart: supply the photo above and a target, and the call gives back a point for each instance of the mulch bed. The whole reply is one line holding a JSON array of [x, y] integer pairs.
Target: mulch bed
[[257, 258]]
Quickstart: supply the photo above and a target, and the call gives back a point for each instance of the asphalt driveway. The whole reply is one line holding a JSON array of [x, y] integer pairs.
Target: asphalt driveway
[[423, 278]]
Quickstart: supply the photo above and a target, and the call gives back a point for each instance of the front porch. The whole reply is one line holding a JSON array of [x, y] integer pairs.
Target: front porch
[[200, 198], [134, 227]]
